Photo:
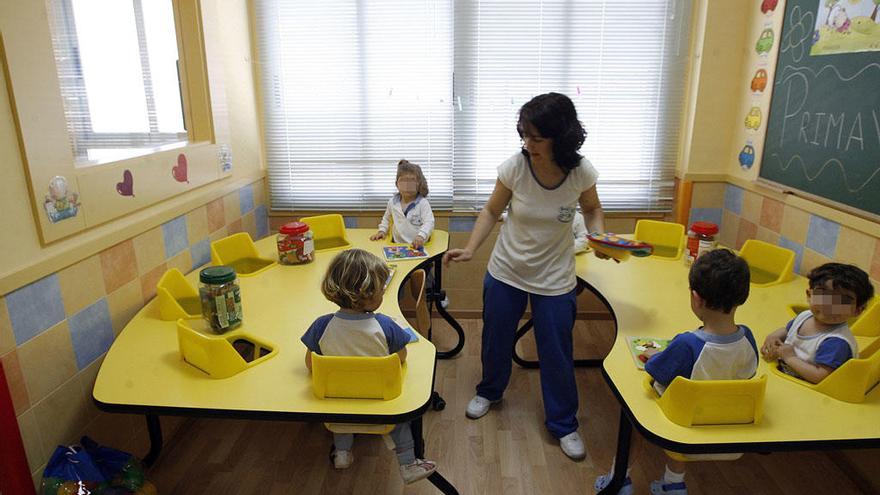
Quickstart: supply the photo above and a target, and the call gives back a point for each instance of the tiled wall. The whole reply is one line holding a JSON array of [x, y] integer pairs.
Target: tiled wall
[[55, 331], [743, 214]]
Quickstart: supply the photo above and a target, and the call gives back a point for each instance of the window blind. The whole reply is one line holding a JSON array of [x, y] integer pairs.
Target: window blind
[[349, 88]]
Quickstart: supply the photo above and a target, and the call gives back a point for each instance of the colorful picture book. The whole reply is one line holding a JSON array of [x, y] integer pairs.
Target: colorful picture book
[[404, 253], [638, 346]]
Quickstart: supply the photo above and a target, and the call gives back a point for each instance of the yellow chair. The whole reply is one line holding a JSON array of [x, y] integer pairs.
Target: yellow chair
[[769, 264], [328, 231], [239, 252], [357, 377], [868, 323], [711, 402], [667, 237], [177, 297], [852, 381], [220, 356]]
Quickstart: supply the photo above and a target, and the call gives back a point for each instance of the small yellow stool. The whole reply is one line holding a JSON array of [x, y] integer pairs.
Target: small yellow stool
[[220, 356], [666, 237], [769, 264], [239, 252], [177, 298], [328, 231], [357, 377]]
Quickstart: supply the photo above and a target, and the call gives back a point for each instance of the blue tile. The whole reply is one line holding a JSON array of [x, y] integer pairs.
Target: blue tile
[[35, 308], [350, 222], [798, 251], [176, 239], [461, 224], [246, 199], [91, 332], [201, 253], [733, 199], [822, 235], [713, 215], [261, 215]]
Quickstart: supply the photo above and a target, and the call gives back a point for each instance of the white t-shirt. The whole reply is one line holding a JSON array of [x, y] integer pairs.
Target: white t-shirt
[[534, 251], [830, 348], [416, 220]]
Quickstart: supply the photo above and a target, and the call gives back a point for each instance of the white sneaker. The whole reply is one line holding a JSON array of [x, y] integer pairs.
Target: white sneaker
[[417, 470], [479, 406], [445, 302], [342, 459], [573, 446]]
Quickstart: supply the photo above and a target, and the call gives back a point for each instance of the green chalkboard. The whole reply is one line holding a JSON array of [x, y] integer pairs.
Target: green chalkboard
[[823, 130]]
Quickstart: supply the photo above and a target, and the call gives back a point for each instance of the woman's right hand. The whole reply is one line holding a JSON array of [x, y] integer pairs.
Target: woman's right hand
[[457, 255], [378, 236]]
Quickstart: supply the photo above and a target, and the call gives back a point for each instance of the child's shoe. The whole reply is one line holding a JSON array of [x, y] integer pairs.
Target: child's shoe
[[660, 487], [342, 459], [417, 470], [605, 479]]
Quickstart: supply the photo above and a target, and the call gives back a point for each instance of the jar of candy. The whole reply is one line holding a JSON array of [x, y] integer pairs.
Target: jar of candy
[[295, 244], [220, 297], [700, 239]]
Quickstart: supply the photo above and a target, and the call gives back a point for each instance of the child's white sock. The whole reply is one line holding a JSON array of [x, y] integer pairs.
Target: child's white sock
[[672, 477]]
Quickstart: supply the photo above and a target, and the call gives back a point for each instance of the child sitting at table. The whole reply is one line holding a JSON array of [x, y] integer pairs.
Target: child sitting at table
[[718, 350], [409, 208], [354, 281], [818, 340]]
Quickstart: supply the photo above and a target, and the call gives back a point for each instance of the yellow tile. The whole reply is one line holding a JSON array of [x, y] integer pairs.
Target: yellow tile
[[249, 224], [218, 234], [81, 284], [259, 188], [149, 249], [855, 247], [231, 207], [62, 416], [811, 260], [795, 223], [47, 361], [30, 437], [708, 195], [751, 207], [124, 303], [767, 235], [729, 228], [15, 381], [87, 379], [7, 338], [182, 261], [197, 224]]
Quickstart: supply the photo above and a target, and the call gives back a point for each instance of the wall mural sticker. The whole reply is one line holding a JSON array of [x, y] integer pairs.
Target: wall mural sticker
[[759, 82], [753, 119], [126, 187], [60, 203], [747, 156], [768, 6], [846, 26], [179, 171], [765, 42]]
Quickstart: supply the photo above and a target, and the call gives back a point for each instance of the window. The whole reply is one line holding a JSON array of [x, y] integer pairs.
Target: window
[[350, 87], [118, 70]]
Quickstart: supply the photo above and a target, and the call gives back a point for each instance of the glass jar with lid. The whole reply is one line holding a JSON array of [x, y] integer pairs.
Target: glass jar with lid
[[220, 297], [295, 244], [700, 239]]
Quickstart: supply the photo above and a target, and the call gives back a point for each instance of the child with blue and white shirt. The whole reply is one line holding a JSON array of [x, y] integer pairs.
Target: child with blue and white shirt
[[355, 281], [818, 341], [718, 350], [409, 208]]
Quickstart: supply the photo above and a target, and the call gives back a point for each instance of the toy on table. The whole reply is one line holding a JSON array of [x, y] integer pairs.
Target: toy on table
[[617, 247], [404, 252], [639, 345]]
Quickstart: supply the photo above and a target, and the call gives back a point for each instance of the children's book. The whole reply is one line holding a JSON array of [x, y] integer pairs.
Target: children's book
[[404, 252], [638, 346]]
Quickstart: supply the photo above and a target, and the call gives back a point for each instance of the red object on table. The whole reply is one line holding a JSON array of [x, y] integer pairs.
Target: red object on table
[[15, 476]]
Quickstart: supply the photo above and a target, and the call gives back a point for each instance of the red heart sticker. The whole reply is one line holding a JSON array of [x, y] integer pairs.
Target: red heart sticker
[[126, 187], [179, 172]]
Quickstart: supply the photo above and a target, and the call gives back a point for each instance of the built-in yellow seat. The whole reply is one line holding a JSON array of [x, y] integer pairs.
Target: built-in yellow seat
[[711, 402], [769, 264], [220, 356], [667, 238], [177, 297], [852, 381], [328, 231], [239, 252], [357, 377], [867, 324]]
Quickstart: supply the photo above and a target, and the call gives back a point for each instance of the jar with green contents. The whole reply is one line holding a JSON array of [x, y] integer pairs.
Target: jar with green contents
[[220, 297]]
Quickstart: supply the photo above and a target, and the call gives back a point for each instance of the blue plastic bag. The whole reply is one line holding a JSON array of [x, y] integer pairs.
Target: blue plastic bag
[[71, 471]]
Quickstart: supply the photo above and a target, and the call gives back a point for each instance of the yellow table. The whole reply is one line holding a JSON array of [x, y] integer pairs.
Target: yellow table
[[144, 373], [650, 297]]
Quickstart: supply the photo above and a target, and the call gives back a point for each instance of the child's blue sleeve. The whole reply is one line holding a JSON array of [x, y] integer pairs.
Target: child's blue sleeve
[[676, 360], [396, 337], [312, 337], [833, 352]]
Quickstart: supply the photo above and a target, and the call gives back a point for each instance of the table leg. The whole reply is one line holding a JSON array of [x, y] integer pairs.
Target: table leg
[[436, 478], [154, 428], [437, 294], [621, 459]]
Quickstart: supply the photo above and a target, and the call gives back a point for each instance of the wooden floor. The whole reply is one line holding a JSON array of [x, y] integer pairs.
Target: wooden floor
[[508, 451]]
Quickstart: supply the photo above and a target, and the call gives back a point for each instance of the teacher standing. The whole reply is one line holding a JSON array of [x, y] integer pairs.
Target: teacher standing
[[533, 260]]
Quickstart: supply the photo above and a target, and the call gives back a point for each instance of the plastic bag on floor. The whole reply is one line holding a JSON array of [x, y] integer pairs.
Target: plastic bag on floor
[[93, 469]]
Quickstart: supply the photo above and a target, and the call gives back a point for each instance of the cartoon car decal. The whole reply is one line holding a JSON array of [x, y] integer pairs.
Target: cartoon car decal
[[759, 82], [753, 119], [747, 157], [765, 42]]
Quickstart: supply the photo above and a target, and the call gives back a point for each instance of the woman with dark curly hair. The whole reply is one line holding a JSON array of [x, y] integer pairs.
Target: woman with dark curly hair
[[533, 259]]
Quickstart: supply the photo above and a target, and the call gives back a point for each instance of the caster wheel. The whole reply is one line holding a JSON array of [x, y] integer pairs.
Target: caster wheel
[[439, 405]]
